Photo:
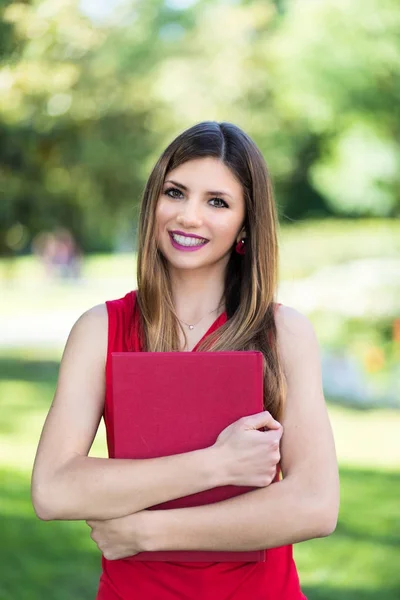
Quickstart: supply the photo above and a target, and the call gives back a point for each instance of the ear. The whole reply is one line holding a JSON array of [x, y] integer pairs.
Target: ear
[[241, 236]]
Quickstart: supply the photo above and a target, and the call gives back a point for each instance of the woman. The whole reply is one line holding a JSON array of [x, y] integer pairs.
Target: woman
[[207, 279]]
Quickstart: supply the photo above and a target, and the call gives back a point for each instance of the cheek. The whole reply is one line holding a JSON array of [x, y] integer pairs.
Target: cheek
[[226, 228], [164, 213]]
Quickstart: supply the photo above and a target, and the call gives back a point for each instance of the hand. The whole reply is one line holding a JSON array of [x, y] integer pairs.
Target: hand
[[118, 538], [251, 455]]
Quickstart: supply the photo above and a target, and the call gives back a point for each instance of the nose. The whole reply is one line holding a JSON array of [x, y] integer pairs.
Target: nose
[[189, 215]]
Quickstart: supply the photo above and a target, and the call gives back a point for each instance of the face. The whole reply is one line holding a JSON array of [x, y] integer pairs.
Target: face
[[199, 198]]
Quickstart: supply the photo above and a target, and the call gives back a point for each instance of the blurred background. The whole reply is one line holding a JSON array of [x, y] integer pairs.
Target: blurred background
[[91, 92]]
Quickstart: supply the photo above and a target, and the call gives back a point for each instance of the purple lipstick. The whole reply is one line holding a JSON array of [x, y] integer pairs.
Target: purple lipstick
[[183, 248]]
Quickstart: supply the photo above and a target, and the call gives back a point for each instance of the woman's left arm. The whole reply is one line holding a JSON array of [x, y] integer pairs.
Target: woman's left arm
[[305, 503]]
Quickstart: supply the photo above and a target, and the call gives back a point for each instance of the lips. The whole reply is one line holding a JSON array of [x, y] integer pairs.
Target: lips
[[192, 246], [189, 235]]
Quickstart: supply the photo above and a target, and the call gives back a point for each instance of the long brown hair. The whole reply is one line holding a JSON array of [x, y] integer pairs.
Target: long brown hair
[[250, 279]]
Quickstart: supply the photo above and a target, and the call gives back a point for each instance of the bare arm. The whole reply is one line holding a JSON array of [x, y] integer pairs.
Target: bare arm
[[303, 505], [66, 483]]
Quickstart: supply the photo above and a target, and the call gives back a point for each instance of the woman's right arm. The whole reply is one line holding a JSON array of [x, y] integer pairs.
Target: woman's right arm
[[66, 482]]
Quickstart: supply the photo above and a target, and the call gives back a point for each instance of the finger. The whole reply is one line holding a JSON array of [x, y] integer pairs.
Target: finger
[[262, 419], [274, 435]]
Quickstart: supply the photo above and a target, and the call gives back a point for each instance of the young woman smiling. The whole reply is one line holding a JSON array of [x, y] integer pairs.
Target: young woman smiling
[[206, 280]]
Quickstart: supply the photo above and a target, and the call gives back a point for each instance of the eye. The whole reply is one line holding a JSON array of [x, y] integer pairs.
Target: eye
[[171, 193], [167, 192], [224, 204]]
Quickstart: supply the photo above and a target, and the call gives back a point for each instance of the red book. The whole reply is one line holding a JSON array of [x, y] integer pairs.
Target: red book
[[167, 403]]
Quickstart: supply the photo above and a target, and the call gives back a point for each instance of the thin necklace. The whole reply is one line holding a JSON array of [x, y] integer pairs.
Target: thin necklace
[[191, 325]]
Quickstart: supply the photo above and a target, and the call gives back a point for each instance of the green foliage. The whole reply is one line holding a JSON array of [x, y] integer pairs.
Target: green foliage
[[87, 106], [341, 74], [71, 125]]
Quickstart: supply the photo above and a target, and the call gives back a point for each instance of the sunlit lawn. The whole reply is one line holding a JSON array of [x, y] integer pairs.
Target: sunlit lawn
[[304, 247], [59, 561]]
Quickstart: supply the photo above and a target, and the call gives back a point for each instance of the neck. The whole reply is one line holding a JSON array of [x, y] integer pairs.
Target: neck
[[195, 296]]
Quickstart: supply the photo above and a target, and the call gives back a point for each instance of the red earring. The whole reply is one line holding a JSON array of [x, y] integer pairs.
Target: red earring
[[240, 247]]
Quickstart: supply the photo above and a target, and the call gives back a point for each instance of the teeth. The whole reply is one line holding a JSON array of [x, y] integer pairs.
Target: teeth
[[187, 241]]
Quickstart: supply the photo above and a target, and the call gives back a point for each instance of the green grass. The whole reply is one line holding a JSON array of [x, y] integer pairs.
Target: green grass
[[361, 559], [58, 560], [38, 559]]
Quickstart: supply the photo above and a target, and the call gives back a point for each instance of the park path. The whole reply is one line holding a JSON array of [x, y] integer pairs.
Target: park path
[[37, 330], [365, 288]]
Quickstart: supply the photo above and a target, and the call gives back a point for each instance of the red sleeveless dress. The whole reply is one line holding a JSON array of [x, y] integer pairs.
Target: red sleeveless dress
[[275, 579]]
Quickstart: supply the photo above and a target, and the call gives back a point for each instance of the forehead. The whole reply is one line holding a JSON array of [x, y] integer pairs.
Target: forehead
[[206, 174]]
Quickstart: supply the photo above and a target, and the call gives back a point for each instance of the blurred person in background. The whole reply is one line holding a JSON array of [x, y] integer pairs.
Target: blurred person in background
[[207, 281], [59, 253]]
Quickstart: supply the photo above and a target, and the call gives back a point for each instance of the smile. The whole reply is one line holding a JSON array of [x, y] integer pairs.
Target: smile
[[182, 242]]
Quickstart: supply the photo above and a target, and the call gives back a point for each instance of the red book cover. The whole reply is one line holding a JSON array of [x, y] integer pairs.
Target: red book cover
[[167, 403]]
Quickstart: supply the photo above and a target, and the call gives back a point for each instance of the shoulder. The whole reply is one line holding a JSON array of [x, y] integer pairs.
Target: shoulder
[[290, 321], [95, 319], [96, 315], [86, 346], [91, 325], [297, 340]]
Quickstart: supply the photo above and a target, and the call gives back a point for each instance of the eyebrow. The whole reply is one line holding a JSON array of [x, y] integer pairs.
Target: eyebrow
[[183, 187]]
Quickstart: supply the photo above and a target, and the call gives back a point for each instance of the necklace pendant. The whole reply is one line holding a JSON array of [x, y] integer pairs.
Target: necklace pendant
[[191, 326]]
